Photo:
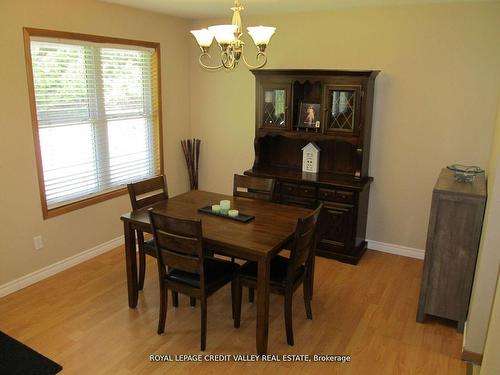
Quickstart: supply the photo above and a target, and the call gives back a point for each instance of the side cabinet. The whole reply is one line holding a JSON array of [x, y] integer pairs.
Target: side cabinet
[[452, 244]]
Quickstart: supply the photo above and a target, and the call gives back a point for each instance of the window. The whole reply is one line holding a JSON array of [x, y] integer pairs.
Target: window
[[96, 116]]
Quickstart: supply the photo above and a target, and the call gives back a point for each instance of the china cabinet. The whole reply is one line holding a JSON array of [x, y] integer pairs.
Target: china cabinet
[[333, 109]]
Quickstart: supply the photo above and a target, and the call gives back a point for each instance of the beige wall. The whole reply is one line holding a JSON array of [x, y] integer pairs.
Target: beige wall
[[435, 99], [488, 260], [21, 216]]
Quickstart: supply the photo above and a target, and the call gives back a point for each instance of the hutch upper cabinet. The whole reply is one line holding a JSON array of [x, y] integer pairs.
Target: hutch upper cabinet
[[342, 113], [274, 102], [332, 108]]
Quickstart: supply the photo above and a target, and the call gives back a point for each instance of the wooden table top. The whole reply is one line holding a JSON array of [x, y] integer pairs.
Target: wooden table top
[[273, 226]]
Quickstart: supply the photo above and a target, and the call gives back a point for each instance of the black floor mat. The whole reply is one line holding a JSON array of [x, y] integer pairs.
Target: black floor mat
[[18, 359]]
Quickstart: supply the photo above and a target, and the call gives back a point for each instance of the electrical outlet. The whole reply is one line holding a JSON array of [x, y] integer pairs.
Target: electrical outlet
[[38, 242]]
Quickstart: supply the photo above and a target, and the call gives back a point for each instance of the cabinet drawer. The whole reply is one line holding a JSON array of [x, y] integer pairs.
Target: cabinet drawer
[[326, 194], [341, 196], [290, 189], [297, 201], [344, 196], [307, 191], [298, 190]]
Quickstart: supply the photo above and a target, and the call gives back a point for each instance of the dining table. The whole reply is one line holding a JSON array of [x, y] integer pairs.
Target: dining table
[[257, 240]]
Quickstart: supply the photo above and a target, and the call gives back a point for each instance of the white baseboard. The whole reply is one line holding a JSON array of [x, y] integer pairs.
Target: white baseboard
[[24, 281], [396, 249]]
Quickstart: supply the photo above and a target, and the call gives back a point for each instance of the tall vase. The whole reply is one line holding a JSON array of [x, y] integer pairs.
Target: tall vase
[[191, 149]]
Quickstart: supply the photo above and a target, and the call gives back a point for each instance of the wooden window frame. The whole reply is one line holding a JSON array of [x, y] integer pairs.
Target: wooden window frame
[[84, 202]]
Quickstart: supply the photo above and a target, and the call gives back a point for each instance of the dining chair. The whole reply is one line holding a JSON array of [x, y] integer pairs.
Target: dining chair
[[286, 274], [184, 268], [255, 188], [143, 194]]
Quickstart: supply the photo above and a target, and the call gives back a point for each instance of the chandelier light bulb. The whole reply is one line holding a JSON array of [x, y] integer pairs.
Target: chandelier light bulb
[[224, 34], [204, 37], [261, 35]]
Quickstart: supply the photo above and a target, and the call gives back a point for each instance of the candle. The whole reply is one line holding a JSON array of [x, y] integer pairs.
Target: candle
[[233, 213], [215, 208], [225, 204]]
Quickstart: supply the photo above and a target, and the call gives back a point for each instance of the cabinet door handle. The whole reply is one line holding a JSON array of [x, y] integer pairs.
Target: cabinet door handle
[[337, 211]]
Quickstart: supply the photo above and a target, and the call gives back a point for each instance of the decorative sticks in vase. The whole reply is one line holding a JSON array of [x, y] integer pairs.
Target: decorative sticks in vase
[[191, 149]]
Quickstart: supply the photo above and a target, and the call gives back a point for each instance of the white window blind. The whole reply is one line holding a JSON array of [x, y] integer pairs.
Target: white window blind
[[97, 117]]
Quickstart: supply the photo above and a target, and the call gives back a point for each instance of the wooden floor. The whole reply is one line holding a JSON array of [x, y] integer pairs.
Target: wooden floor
[[80, 319]]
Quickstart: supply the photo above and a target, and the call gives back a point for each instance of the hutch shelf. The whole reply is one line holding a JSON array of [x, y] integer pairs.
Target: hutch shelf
[[332, 108]]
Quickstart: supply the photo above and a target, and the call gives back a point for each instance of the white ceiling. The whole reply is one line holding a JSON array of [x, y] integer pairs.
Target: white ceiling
[[215, 8]]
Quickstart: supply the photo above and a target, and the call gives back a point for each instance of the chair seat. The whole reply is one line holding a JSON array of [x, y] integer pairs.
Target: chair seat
[[279, 268], [149, 247], [217, 273]]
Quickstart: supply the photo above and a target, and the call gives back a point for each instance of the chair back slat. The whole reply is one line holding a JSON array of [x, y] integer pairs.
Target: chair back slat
[[179, 242], [179, 261], [152, 199], [253, 187], [148, 192], [304, 242]]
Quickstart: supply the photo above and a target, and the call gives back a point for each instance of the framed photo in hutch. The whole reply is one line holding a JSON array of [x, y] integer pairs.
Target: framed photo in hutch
[[309, 116]]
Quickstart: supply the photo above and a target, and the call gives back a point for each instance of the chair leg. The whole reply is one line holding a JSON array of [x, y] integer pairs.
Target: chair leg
[[175, 299], [237, 291], [307, 299], [288, 318], [311, 278], [192, 301], [163, 309], [142, 261], [203, 324], [142, 269], [251, 295]]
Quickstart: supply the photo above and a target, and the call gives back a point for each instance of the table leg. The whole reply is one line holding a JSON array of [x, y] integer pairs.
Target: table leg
[[131, 264], [262, 305], [311, 276]]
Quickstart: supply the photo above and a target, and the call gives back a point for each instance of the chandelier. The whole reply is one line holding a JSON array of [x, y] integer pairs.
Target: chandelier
[[229, 39]]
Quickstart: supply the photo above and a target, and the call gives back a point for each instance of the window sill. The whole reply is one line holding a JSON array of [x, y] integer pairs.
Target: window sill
[[73, 206]]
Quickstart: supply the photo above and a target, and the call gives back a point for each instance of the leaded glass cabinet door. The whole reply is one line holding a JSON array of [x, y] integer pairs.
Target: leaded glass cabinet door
[[342, 112], [274, 113]]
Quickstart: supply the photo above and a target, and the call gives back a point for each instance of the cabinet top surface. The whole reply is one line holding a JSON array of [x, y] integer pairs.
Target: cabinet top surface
[[316, 72], [297, 176], [447, 183]]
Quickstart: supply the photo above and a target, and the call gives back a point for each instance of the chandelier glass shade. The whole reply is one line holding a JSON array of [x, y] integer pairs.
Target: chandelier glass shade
[[229, 39]]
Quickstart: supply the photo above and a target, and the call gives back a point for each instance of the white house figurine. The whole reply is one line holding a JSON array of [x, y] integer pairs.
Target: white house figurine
[[310, 158]]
